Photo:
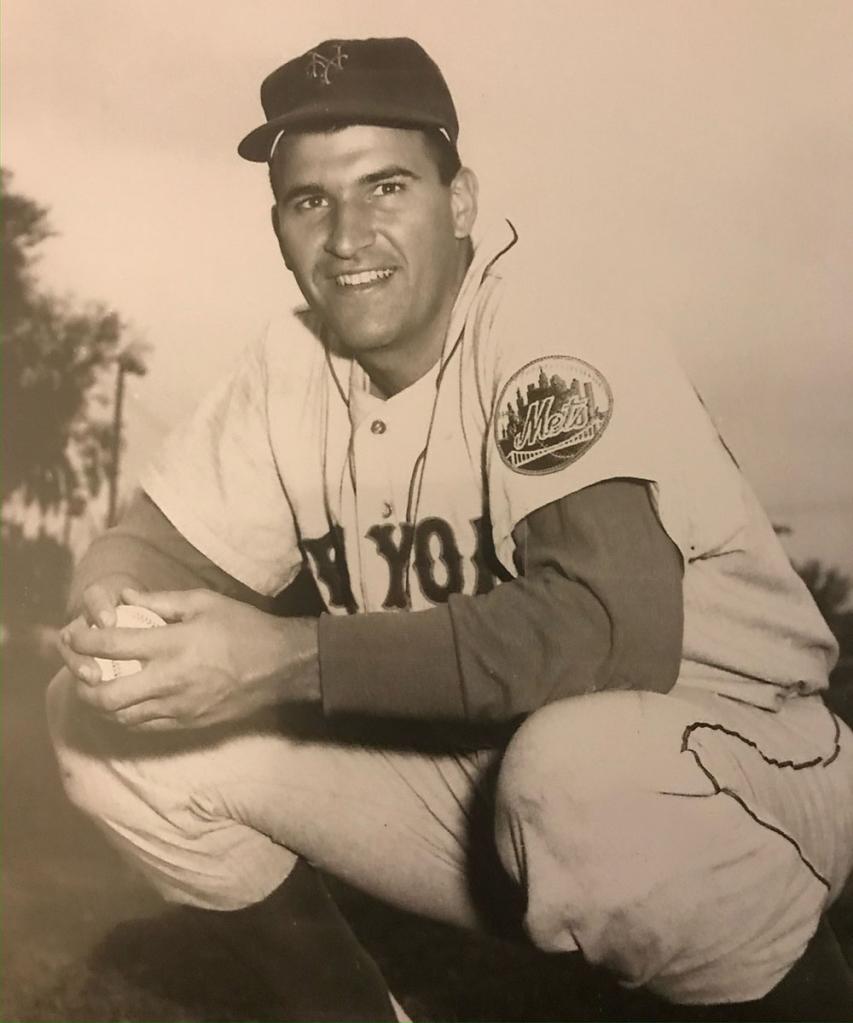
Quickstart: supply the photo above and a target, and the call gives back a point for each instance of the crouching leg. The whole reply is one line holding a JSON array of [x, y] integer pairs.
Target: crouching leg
[[186, 812], [689, 844]]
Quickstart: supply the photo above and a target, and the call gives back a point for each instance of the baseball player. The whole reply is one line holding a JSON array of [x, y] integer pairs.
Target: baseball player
[[550, 605]]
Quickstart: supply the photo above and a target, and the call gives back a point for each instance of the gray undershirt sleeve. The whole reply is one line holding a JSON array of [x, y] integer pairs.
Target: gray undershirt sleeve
[[597, 605]]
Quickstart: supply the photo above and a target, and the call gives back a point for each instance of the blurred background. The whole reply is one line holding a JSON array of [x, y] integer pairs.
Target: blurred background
[[685, 167]]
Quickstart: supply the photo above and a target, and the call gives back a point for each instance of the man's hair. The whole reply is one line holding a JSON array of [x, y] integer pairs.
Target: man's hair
[[441, 149], [444, 152]]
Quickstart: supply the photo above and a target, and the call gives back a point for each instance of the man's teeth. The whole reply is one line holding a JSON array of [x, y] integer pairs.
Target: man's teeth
[[365, 277]]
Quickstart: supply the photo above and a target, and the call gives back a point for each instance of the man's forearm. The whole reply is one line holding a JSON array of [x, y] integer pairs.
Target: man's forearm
[[300, 665], [393, 665], [598, 606]]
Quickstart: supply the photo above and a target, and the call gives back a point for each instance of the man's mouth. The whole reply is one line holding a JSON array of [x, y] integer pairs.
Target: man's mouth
[[363, 277]]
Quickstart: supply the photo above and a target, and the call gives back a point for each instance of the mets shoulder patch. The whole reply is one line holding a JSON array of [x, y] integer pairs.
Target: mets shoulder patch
[[550, 412]]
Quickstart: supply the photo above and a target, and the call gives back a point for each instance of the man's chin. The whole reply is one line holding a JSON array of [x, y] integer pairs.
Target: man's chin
[[358, 340]]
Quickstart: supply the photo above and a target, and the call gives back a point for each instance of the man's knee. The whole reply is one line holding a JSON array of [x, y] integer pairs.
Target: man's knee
[[569, 790], [83, 748], [85, 759], [625, 848], [149, 802], [60, 717], [582, 748]]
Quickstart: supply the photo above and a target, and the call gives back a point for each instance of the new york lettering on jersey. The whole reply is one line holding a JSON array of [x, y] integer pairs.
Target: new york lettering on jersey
[[430, 551]]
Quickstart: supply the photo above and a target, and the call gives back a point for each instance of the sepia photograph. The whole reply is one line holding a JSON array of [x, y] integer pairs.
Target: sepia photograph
[[427, 511]]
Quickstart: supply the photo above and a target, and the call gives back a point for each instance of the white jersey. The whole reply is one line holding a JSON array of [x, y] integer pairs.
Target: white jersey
[[396, 504]]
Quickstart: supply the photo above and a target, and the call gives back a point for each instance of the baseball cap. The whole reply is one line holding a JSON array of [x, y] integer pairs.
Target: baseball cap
[[363, 81]]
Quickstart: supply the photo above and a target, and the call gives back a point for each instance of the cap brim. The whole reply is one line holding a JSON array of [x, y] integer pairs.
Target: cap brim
[[257, 144]]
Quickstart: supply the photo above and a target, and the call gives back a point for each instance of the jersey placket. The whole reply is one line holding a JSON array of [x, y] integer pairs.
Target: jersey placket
[[388, 438]]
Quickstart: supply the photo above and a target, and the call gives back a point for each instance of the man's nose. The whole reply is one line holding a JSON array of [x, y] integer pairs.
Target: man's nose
[[351, 230]]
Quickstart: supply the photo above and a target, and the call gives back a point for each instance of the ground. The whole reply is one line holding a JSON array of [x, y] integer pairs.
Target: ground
[[84, 939]]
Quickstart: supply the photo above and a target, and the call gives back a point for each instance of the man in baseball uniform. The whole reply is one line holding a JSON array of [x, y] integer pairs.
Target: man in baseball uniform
[[550, 604]]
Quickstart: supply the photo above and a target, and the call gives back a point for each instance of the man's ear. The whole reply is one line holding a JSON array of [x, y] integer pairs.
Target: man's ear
[[277, 233], [463, 201]]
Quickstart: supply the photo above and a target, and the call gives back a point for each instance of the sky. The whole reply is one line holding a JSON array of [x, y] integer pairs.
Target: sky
[[683, 168]]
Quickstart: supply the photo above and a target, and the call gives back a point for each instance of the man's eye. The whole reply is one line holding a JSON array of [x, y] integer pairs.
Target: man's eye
[[388, 188], [310, 202]]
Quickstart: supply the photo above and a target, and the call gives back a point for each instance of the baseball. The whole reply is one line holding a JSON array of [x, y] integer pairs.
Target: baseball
[[128, 616]]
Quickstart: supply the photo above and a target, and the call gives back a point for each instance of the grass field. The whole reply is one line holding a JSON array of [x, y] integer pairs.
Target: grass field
[[84, 940]]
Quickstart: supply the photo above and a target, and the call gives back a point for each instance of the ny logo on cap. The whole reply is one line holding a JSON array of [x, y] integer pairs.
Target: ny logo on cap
[[320, 67]]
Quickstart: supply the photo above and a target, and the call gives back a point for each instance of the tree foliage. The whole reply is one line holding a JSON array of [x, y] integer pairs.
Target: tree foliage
[[56, 438], [24, 227], [831, 590], [36, 575], [829, 587]]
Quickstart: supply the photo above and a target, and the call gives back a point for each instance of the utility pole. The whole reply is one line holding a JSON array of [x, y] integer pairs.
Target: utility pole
[[128, 361]]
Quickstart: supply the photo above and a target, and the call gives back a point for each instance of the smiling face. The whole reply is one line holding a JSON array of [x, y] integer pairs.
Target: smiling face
[[376, 242]]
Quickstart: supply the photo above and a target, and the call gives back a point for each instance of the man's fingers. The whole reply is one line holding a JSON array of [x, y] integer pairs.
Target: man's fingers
[[82, 666], [157, 725], [73, 629], [131, 707], [148, 716], [117, 644], [99, 606], [99, 603], [128, 693], [173, 605], [145, 716]]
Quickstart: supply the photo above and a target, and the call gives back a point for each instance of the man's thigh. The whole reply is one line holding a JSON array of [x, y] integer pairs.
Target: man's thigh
[[217, 818]]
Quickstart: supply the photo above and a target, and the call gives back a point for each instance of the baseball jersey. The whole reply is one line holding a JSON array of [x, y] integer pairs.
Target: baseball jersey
[[397, 504]]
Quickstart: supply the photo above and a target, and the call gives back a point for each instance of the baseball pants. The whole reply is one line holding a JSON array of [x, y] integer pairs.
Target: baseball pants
[[687, 842]]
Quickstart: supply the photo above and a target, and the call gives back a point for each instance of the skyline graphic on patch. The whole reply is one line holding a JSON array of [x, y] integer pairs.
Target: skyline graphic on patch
[[550, 412]]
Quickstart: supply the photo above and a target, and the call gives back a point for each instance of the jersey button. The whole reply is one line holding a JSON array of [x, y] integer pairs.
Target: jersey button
[[386, 510], [377, 426]]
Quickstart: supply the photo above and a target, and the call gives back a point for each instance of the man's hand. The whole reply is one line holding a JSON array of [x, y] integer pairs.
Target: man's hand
[[97, 603], [217, 660], [95, 606]]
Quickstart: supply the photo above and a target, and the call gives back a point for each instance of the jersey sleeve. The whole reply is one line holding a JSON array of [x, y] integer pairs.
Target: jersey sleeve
[[216, 479], [147, 548], [572, 405], [596, 605]]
